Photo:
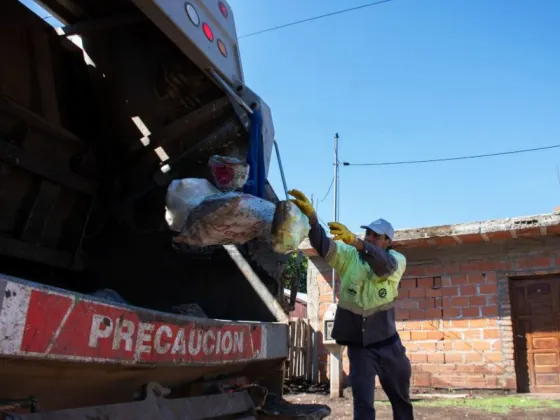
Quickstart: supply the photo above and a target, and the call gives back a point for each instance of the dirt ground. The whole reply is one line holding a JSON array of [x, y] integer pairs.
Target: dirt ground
[[513, 407]]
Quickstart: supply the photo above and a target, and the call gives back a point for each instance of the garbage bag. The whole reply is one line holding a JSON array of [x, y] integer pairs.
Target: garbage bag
[[229, 173], [289, 227], [190, 309], [226, 219], [108, 294], [183, 195]]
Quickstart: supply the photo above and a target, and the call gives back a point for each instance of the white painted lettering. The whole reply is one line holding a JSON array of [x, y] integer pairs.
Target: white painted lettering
[[238, 341], [195, 342], [144, 338], [101, 327], [179, 345], [207, 347], [227, 342], [162, 348], [124, 329], [218, 341]]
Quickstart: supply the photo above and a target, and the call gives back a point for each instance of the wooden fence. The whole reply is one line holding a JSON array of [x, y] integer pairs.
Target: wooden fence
[[301, 347]]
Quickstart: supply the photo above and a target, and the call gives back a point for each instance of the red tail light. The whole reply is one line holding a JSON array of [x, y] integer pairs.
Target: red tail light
[[208, 31], [223, 9]]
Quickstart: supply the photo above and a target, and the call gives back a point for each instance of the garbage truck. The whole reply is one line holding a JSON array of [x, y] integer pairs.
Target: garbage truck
[[102, 314]]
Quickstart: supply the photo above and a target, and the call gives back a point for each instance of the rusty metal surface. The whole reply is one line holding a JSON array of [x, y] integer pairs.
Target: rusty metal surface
[[41, 322], [155, 407], [143, 410], [207, 407]]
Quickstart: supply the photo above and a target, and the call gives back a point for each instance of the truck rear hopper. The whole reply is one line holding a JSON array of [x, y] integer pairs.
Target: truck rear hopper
[[89, 139]]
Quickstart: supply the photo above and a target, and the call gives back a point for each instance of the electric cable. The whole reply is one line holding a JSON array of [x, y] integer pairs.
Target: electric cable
[[411, 162], [328, 191], [298, 22]]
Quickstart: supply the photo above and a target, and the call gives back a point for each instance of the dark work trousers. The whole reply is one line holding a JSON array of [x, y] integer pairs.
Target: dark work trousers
[[392, 366]]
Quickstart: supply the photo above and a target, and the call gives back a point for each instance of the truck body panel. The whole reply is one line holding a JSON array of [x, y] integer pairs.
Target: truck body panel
[[48, 323]]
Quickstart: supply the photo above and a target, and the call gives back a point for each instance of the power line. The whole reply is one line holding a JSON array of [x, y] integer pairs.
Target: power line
[[297, 22], [410, 162], [328, 191]]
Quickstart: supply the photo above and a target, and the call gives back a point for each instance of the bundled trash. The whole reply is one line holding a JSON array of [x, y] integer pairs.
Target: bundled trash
[[204, 215], [289, 227], [227, 218]]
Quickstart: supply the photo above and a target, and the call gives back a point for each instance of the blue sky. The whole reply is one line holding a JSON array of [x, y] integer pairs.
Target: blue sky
[[409, 80]]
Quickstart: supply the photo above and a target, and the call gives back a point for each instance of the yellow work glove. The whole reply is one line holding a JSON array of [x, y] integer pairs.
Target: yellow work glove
[[341, 233], [302, 202]]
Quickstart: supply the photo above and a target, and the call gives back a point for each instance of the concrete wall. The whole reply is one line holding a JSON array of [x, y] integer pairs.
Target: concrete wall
[[453, 311]]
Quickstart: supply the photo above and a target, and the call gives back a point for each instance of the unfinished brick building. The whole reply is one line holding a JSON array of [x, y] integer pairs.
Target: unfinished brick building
[[478, 307]]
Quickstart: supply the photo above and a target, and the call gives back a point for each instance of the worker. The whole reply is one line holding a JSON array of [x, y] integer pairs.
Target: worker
[[370, 272]]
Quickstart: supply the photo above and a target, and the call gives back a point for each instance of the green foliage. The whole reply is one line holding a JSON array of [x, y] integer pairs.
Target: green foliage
[[291, 271]]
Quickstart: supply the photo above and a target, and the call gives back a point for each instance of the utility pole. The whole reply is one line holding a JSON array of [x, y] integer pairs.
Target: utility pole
[[335, 351], [335, 206]]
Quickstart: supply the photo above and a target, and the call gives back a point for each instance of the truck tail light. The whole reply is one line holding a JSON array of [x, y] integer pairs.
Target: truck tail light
[[208, 31], [223, 9], [192, 14]]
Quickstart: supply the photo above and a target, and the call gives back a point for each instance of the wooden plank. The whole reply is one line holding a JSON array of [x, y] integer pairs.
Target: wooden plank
[[16, 68], [302, 349], [298, 345], [298, 348], [45, 201], [14, 248], [300, 355], [56, 172], [45, 75], [64, 208], [308, 352], [36, 121]]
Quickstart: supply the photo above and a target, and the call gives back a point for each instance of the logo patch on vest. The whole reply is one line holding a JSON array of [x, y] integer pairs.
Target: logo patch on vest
[[382, 293], [352, 292]]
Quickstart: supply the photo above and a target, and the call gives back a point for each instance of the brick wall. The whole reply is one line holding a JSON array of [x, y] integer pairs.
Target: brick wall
[[453, 311]]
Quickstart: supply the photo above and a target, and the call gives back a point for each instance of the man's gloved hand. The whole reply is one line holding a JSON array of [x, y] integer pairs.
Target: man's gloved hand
[[302, 202], [341, 233]]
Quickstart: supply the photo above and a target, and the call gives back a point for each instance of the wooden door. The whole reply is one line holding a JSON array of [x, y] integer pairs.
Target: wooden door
[[536, 317]]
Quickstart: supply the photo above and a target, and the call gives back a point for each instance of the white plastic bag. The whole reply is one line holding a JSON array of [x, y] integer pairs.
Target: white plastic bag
[[229, 173], [289, 227], [183, 195], [227, 218]]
